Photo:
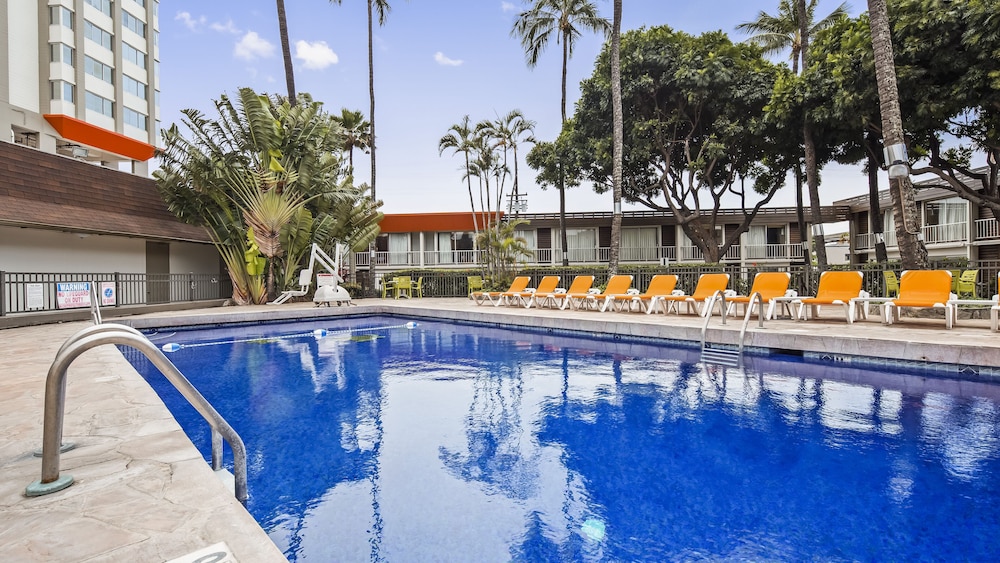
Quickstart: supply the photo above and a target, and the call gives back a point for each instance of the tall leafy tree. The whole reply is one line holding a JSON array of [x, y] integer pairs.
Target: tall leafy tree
[[563, 21], [695, 130], [791, 29], [249, 173], [286, 52], [461, 139]]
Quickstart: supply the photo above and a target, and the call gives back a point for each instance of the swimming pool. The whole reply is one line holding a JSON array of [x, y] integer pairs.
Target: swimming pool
[[469, 443]]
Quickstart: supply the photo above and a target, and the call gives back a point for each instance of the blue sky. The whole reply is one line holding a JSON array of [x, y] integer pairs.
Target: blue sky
[[435, 61]]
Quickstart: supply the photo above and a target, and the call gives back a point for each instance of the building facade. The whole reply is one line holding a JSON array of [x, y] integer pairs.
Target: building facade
[[951, 227], [81, 79], [446, 240]]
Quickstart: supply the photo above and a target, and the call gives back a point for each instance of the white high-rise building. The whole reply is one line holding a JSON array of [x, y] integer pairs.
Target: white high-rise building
[[81, 78]]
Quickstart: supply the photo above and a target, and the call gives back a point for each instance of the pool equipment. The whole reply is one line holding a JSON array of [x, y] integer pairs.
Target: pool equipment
[[328, 289]]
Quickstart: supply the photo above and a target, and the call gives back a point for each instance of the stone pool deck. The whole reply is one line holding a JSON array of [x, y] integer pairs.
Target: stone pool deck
[[144, 493]]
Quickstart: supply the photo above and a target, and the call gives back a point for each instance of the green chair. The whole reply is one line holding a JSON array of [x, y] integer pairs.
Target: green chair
[[418, 288], [966, 288], [475, 283], [891, 283], [388, 287], [404, 286]]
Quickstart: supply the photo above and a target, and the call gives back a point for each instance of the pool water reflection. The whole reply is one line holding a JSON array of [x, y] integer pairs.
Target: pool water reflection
[[461, 443]]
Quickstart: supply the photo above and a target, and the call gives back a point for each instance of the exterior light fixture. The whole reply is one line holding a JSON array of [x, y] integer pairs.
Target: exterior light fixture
[[896, 159]]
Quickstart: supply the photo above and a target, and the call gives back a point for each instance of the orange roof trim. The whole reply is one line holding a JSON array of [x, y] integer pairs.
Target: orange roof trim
[[432, 222], [97, 137]]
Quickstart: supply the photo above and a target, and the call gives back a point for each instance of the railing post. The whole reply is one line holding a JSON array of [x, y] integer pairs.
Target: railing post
[[118, 289], [3, 293]]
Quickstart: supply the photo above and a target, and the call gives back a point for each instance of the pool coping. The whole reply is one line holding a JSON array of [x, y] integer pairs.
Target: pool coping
[[145, 493]]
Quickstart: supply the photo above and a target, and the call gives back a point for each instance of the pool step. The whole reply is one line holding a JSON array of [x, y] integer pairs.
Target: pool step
[[722, 356]]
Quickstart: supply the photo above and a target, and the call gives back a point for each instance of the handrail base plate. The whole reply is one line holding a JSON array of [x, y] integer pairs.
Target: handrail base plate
[[37, 488]]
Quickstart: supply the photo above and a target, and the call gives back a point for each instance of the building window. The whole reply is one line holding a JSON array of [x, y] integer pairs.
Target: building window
[[98, 69], [133, 55], [135, 24], [100, 104], [103, 5], [97, 35], [133, 86], [61, 15], [62, 53], [946, 220], [62, 90], [135, 119]]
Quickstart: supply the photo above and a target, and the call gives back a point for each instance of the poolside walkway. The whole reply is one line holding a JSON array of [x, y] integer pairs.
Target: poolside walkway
[[144, 493]]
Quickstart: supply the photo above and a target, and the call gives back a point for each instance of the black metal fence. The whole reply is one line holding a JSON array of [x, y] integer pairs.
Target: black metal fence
[[28, 292], [454, 283]]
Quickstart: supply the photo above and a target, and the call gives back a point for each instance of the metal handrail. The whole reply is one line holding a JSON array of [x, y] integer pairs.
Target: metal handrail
[[55, 401], [746, 319], [719, 294], [95, 303]]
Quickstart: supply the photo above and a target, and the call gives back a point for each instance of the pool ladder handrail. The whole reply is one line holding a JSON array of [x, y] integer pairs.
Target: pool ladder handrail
[[720, 296], [95, 303], [55, 402]]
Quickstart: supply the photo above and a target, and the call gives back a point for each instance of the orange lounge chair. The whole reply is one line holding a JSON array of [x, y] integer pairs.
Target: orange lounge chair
[[616, 285], [548, 284], [925, 289], [554, 298], [659, 286], [770, 286], [697, 302], [835, 288], [519, 284]]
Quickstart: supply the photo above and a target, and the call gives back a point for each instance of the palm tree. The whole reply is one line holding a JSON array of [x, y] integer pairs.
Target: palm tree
[[355, 133], [507, 132], [562, 20], [460, 139], [912, 251], [618, 134], [383, 8], [286, 52], [788, 30]]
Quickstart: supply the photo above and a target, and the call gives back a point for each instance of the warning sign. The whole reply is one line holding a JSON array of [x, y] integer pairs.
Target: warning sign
[[72, 295]]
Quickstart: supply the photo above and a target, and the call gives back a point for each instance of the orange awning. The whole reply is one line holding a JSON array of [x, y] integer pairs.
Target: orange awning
[[99, 138], [432, 222]]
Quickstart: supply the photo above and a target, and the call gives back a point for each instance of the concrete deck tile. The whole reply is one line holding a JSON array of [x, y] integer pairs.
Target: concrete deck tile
[[144, 493]]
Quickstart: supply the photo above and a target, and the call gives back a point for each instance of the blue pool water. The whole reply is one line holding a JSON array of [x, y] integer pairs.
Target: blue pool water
[[462, 443]]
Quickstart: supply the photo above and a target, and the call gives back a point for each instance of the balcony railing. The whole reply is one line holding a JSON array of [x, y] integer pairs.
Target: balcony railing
[[549, 256], [987, 229], [948, 232]]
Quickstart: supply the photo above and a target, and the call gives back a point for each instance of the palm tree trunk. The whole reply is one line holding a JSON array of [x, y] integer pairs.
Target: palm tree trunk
[[913, 253], [286, 52], [562, 177], [472, 202], [371, 93], [800, 216], [875, 212], [618, 132], [812, 169]]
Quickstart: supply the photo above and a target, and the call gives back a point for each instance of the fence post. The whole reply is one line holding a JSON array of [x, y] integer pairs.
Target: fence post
[[118, 291], [3, 293], [191, 285]]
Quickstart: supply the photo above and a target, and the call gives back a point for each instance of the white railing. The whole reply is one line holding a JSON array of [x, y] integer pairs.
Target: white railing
[[772, 251], [987, 229], [866, 241], [948, 232], [549, 256]]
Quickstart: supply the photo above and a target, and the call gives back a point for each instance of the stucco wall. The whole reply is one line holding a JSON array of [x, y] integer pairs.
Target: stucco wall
[[38, 250]]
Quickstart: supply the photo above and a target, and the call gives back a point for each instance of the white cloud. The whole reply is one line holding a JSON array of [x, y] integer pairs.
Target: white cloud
[[190, 22], [507, 7], [317, 55], [252, 46], [445, 61], [228, 27]]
